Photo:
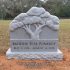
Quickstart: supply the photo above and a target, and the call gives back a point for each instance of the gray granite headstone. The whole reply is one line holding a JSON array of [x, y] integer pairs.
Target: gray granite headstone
[[34, 35]]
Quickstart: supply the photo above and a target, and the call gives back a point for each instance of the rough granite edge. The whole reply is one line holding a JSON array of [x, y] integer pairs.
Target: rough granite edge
[[57, 55]]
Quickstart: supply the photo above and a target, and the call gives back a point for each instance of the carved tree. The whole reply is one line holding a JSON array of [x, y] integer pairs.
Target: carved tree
[[36, 33], [36, 17]]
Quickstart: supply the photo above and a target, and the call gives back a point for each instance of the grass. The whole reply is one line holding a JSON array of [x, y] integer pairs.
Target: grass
[[64, 34], [65, 24], [4, 35]]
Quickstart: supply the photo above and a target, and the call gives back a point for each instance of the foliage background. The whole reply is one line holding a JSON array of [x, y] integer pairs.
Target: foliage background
[[11, 8]]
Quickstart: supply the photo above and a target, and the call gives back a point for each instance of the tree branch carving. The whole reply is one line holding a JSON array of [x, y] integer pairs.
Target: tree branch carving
[[35, 34]]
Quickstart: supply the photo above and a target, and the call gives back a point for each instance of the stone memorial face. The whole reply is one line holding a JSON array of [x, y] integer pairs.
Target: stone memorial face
[[34, 31]]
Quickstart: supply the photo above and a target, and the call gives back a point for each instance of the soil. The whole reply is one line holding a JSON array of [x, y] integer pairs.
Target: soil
[[14, 64]]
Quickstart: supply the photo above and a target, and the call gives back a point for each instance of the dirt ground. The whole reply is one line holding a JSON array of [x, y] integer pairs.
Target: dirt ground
[[14, 64]]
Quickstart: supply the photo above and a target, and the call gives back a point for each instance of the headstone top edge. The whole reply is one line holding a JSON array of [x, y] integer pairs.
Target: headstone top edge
[[35, 15]]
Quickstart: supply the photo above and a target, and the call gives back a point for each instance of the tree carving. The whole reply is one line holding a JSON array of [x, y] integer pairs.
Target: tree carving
[[36, 33], [38, 17]]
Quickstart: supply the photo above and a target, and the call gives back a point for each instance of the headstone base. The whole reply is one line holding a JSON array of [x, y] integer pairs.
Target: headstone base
[[57, 55]]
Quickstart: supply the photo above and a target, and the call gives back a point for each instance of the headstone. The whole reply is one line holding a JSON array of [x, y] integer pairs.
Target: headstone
[[34, 35]]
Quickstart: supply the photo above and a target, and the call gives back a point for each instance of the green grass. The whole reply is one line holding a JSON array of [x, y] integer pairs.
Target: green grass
[[64, 34]]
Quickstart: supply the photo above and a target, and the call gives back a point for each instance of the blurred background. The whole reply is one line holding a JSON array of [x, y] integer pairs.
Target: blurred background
[[11, 8]]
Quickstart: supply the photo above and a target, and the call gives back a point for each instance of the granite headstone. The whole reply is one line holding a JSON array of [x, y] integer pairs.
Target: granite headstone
[[34, 35]]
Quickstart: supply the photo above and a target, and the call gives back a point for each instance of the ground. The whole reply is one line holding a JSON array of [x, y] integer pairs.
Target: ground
[[13, 64]]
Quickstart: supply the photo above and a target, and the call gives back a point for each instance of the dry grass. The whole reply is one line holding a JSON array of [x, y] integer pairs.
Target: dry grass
[[4, 35], [64, 33]]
